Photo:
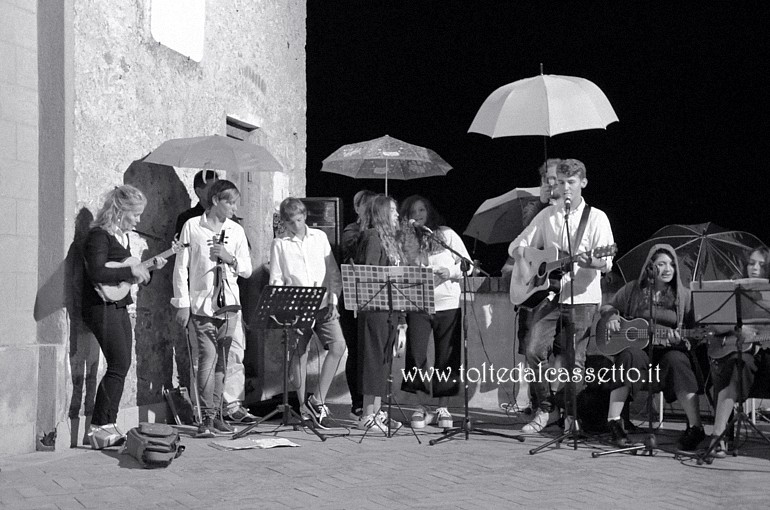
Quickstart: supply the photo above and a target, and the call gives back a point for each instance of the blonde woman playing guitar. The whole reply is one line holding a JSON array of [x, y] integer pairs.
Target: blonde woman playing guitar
[[108, 243]]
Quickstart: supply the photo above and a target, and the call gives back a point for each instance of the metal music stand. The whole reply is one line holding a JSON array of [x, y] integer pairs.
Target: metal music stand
[[285, 308], [733, 302], [392, 289]]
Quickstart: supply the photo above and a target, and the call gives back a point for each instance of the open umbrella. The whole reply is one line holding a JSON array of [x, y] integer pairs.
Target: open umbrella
[[705, 251], [501, 219], [544, 105], [214, 152], [385, 158]]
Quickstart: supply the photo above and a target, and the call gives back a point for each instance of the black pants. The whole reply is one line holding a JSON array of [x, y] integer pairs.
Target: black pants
[[375, 343], [112, 329], [446, 344], [349, 326]]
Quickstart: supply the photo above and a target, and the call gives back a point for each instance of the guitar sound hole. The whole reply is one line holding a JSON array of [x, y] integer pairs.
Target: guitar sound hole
[[631, 334]]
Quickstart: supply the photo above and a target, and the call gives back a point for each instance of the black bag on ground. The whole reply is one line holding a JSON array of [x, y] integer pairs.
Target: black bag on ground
[[154, 445]]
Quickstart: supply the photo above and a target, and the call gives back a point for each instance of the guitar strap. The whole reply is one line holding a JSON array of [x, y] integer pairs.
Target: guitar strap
[[582, 226]]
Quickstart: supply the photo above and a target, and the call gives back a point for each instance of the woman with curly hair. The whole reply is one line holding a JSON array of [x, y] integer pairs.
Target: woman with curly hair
[[377, 246], [107, 244], [424, 249]]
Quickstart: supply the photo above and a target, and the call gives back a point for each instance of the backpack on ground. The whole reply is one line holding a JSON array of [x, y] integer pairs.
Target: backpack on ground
[[154, 445]]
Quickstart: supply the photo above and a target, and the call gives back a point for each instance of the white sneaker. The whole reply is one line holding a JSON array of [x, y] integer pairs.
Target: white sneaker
[[370, 421], [385, 421], [421, 417], [443, 418], [105, 436], [537, 424]]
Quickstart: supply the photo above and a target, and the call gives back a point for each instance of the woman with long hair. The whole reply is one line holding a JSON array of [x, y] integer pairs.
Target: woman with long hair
[[424, 249], [350, 236], [756, 368], [107, 243], [672, 309], [377, 246]]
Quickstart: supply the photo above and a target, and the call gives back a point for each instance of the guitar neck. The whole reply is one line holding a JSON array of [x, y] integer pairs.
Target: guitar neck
[[149, 262]]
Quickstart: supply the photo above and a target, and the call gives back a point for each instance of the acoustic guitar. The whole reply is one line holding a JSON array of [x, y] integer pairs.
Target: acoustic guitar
[[539, 273], [719, 347], [636, 332], [110, 292]]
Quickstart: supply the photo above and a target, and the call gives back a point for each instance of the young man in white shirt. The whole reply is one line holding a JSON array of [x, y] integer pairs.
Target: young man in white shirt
[[548, 320], [304, 258], [206, 293]]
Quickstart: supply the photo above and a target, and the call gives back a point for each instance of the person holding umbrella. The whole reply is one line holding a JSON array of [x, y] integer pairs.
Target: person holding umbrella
[[445, 324], [350, 236], [672, 308]]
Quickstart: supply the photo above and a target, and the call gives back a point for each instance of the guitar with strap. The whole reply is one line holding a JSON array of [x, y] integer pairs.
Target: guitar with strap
[[538, 273], [636, 332], [112, 292], [220, 282]]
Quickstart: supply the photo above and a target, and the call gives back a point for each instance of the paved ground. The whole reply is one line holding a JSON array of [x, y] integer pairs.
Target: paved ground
[[343, 472]]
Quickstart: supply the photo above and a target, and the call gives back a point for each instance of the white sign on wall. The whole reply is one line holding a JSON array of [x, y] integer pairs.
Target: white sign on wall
[[179, 25]]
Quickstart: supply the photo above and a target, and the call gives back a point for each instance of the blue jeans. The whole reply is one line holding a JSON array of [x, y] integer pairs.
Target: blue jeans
[[214, 336], [549, 322]]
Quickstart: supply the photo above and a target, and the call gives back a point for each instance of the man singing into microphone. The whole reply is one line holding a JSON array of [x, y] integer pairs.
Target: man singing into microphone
[[580, 298]]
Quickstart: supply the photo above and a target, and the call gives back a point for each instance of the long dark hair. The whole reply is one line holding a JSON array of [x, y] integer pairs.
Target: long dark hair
[[379, 216], [433, 221]]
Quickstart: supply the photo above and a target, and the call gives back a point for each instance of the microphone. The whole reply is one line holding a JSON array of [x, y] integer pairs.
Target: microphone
[[417, 226], [567, 203]]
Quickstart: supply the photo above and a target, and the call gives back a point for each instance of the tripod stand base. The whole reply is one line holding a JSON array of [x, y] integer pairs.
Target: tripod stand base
[[734, 424], [467, 429], [648, 448], [287, 411], [574, 434]]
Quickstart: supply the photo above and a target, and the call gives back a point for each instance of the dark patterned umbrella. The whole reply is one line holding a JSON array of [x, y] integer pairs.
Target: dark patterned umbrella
[[705, 251], [385, 158]]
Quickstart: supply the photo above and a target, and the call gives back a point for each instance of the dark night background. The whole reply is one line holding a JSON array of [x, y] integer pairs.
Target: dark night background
[[688, 81]]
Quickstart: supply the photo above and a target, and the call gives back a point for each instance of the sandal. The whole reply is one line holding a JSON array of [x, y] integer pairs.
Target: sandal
[[720, 450]]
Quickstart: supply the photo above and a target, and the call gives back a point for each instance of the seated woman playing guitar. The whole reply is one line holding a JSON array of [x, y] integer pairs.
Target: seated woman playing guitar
[[723, 359], [107, 243], [672, 310]]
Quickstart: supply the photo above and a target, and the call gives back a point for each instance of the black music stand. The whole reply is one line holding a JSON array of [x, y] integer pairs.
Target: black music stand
[[285, 308], [726, 303], [392, 289]]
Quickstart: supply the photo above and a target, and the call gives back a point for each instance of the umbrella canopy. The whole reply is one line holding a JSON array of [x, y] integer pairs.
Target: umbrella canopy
[[705, 251], [385, 158], [214, 152], [543, 105], [501, 219]]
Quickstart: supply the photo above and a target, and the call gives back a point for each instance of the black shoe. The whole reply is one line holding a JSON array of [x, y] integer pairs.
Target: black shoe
[[220, 426], [206, 428], [690, 439], [619, 436], [318, 413]]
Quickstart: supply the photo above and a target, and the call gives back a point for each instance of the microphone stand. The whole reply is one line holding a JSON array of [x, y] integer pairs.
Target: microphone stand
[[467, 427], [574, 431], [650, 442]]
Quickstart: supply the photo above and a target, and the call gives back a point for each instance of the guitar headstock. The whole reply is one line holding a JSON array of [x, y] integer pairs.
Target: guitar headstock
[[605, 251], [177, 246]]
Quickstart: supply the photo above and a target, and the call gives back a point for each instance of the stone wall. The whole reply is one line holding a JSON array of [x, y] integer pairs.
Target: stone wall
[[19, 224], [110, 94]]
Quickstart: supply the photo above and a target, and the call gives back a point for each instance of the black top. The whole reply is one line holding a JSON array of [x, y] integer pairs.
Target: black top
[[102, 247], [193, 212], [370, 250]]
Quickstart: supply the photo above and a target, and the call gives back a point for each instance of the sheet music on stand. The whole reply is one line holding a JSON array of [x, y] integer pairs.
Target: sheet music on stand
[[716, 302], [288, 303], [364, 288]]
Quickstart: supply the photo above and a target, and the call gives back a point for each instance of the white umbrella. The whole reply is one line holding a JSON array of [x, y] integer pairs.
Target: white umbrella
[[214, 152]]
